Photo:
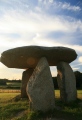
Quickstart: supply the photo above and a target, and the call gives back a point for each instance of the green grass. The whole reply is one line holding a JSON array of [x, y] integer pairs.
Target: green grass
[[57, 93], [79, 94], [20, 110], [10, 108], [5, 97]]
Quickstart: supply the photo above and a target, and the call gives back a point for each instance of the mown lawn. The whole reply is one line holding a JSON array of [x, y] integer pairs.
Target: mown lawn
[[19, 110], [79, 94], [5, 97]]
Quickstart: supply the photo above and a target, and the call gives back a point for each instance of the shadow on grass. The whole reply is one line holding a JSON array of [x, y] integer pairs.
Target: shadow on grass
[[62, 111], [65, 111]]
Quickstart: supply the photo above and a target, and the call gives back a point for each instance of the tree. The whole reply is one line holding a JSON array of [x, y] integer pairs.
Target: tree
[[3, 81]]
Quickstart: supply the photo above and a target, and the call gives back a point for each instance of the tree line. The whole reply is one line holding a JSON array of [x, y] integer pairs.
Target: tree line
[[5, 81], [78, 76]]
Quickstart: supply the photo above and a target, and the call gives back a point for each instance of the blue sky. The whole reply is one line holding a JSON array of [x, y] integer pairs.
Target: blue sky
[[43, 23]]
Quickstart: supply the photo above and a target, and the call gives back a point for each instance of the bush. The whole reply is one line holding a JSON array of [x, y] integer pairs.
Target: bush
[[2, 82]]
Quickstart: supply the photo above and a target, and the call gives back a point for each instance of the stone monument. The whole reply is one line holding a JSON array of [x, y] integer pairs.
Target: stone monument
[[36, 80]]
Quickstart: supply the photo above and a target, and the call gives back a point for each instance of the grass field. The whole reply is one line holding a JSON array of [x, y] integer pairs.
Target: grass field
[[19, 110], [79, 94], [9, 91]]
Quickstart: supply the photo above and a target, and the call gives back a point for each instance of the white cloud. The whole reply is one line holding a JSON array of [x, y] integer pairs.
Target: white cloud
[[43, 41], [70, 7], [10, 73], [21, 22], [80, 59], [61, 5], [74, 69], [29, 23], [53, 71], [51, 1], [33, 26], [77, 65]]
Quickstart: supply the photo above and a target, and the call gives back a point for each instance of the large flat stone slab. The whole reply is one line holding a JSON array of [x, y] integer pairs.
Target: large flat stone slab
[[28, 57], [40, 88]]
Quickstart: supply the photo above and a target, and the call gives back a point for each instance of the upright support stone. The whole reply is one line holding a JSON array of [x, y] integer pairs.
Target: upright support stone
[[66, 82], [40, 88], [25, 78]]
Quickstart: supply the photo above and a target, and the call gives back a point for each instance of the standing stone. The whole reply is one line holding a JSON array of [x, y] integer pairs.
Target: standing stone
[[25, 78], [66, 82], [40, 88]]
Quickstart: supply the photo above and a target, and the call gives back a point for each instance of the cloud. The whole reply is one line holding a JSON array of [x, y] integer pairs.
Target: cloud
[[21, 22], [23, 25], [68, 6], [77, 65], [53, 71], [80, 59], [10, 73], [42, 40], [32, 28], [28, 23], [61, 5], [75, 68]]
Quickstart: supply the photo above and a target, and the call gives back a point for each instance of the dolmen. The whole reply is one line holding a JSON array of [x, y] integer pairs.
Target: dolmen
[[37, 82]]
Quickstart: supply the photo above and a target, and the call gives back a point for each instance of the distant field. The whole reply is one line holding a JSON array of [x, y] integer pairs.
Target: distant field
[[11, 85], [79, 94], [14, 84], [5, 93], [56, 92], [9, 91]]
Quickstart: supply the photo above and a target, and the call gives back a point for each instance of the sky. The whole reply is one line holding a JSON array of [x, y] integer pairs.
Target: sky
[[43, 23]]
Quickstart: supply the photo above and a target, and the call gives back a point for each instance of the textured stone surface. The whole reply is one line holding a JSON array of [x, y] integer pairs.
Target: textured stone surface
[[66, 82], [40, 88], [28, 57], [25, 78]]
